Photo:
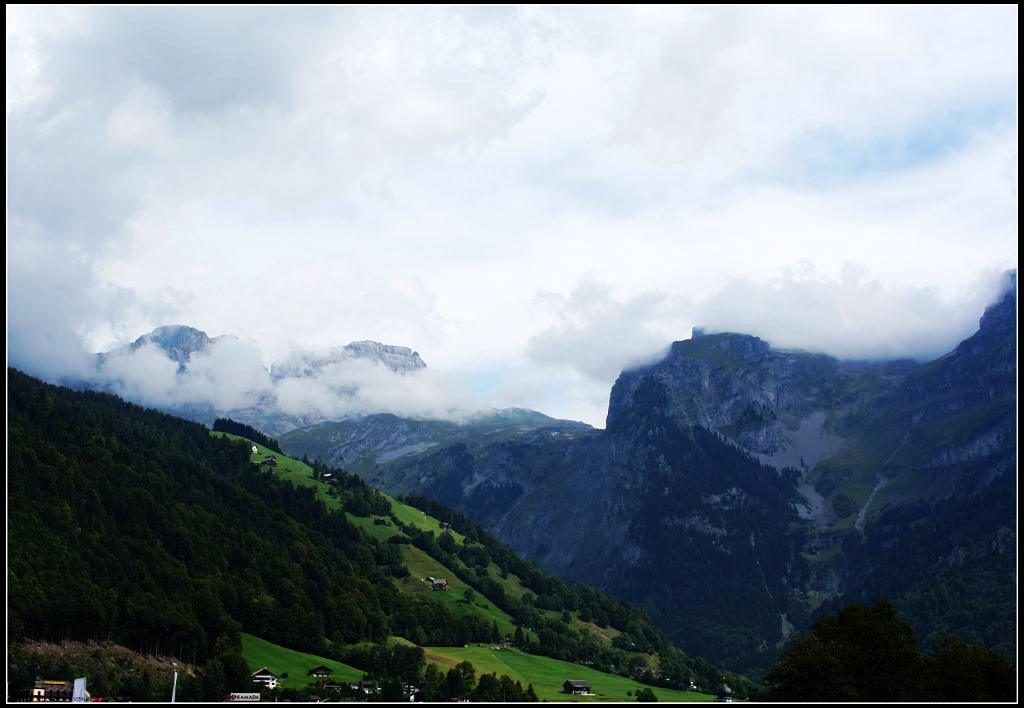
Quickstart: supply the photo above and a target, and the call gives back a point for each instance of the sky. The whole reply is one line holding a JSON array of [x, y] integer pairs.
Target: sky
[[531, 198]]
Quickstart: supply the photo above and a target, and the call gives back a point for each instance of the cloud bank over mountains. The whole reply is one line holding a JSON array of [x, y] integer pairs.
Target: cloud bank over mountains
[[179, 368], [532, 196], [850, 317]]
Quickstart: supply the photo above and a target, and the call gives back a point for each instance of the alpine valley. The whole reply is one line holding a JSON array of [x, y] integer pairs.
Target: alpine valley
[[737, 492]]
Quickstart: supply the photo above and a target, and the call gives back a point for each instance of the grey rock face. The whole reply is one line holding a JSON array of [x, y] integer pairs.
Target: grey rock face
[[178, 342], [307, 364]]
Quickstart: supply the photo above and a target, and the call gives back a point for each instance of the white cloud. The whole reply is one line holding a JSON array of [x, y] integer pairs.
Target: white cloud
[[853, 316], [357, 387], [308, 177], [598, 335], [229, 376]]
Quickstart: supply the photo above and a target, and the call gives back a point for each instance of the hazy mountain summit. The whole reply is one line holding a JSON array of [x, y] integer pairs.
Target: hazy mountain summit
[[306, 364], [178, 342]]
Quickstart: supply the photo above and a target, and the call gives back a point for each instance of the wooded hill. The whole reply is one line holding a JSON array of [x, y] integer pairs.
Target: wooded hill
[[137, 527]]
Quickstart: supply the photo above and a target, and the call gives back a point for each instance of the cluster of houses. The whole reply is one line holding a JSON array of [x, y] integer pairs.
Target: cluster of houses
[[268, 679]]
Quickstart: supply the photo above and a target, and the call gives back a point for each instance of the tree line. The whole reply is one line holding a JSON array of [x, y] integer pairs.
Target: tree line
[[226, 425], [866, 653]]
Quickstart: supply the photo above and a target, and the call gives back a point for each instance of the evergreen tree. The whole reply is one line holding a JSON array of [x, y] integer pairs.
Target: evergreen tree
[[862, 654], [646, 695], [520, 638], [391, 689]]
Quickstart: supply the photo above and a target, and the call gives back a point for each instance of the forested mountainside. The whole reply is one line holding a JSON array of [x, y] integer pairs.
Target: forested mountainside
[[133, 526], [737, 489]]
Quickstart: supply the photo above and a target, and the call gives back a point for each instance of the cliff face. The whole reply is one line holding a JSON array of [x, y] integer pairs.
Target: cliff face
[[736, 488], [789, 408]]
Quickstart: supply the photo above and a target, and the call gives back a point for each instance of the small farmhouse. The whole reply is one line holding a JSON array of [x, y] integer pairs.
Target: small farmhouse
[[446, 527], [255, 450], [576, 688], [438, 584], [320, 671], [265, 677]]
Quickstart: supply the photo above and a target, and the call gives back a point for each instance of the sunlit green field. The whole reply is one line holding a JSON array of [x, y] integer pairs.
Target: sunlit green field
[[547, 675], [301, 475], [421, 566], [259, 653]]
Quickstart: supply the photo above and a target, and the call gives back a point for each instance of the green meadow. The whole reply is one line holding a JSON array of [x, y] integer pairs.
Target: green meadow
[[259, 653], [421, 566], [547, 675]]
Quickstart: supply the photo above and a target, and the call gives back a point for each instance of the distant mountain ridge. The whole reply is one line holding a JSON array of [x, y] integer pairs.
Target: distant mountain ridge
[[362, 443], [182, 344]]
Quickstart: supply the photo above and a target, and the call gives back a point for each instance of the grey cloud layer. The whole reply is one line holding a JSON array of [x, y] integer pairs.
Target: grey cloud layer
[[305, 177]]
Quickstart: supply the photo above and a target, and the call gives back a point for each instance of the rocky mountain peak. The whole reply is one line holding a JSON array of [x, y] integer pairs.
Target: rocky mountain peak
[[304, 364], [179, 342], [394, 357]]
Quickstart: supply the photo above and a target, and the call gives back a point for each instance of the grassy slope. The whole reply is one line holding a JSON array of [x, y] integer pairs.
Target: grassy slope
[[420, 565], [298, 473], [259, 653], [547, 675], [301, 475]]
